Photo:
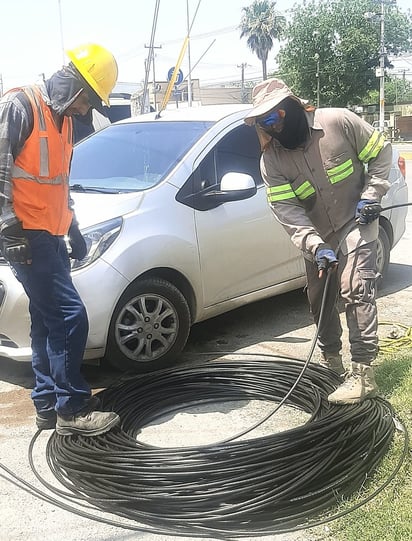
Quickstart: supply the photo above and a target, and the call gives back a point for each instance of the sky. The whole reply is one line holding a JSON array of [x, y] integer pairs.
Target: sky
[[35, 33]]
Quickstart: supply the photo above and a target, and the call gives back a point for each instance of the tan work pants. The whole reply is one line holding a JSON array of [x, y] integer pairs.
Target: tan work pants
[[354, 282]]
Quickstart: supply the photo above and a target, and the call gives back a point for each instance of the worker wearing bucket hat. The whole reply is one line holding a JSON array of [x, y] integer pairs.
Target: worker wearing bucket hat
[[319, 188]]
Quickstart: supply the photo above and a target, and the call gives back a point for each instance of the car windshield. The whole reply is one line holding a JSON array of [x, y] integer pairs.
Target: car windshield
[[132, 157]]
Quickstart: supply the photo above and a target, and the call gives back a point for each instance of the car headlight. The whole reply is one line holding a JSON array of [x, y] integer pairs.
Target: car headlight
[[98, 239]]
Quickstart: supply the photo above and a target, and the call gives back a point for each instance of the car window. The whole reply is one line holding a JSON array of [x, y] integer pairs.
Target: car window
[[238, 151], [132, 157]]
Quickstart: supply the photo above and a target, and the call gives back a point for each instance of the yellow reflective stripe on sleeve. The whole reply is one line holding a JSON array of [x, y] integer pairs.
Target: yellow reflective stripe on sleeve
[[372, 147], [279, 193], [305, 190], [340, 172]]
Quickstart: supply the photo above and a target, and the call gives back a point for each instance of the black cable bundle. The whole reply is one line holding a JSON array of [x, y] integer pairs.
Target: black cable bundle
[[258, 486]]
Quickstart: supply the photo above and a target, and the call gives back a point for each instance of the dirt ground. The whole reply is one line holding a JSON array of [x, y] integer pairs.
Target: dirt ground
[[281, 325]]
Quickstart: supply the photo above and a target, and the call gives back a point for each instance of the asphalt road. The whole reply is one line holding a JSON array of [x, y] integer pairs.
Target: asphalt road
[[281, 325]]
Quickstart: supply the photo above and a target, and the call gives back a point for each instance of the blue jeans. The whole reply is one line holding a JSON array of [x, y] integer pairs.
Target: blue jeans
[[59, 326]]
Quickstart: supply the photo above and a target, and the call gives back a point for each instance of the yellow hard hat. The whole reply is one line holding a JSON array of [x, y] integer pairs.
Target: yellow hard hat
[[97, 66]]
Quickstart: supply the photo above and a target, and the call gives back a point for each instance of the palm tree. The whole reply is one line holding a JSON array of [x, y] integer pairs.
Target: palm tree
[[261, 23]]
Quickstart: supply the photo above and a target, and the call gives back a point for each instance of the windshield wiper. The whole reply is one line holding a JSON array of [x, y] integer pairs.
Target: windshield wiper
[[85, 189]]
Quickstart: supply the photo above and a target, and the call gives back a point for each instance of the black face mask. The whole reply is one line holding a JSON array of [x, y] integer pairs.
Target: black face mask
[[65, 85], [63, 88], [295, 130]]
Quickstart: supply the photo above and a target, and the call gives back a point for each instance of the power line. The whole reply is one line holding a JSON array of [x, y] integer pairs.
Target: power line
[[213, 33]]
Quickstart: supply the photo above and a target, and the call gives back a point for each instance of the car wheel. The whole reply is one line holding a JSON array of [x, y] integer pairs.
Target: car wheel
[[149, 326], [383, 252]]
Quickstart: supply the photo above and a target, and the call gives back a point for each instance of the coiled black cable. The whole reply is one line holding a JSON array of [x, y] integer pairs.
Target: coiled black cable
[[259, 486], [231, 489]]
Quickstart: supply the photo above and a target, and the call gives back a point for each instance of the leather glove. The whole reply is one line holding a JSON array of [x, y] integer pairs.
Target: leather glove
[[77, 243], [367, 211], [325, 257], [14, 245]]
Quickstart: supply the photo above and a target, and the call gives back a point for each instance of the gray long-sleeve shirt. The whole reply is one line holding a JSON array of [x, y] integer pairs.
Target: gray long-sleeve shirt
[[16, 124], [313, 190]]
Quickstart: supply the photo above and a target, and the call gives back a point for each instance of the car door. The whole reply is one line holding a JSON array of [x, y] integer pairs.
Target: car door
[[242, 248]]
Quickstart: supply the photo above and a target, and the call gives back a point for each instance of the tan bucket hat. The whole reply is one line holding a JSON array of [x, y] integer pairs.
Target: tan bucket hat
[[266, 95]]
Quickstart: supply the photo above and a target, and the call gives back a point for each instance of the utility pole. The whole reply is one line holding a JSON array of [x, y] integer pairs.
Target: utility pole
[[143, 105], [243, 66], [61, 33], [189, 77], [1, 85], [316, 56], [382, 71], [317, 81], [152, 47]]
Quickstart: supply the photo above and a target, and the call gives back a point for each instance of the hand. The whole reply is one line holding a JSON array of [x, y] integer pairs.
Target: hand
[[14, 245], [367, 211], [325, 258], [77, 243]]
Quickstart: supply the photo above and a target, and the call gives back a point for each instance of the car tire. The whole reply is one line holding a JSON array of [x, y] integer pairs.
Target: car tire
[[383, 253], [149, 327]]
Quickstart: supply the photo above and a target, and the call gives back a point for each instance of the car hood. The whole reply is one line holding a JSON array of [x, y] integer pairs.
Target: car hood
[[91, 209]]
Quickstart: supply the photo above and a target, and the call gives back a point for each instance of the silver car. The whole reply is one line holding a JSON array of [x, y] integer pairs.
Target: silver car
[[178, 229]]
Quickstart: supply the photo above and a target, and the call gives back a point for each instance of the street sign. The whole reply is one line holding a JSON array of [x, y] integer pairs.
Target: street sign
[[179, 77]]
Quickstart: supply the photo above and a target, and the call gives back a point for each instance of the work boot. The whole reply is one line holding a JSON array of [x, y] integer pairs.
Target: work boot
[[333, 361], [46, 420], [92, 423], [359, 385]]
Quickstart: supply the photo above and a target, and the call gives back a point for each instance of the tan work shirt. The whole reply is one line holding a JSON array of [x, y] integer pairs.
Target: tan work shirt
[[313, 190]]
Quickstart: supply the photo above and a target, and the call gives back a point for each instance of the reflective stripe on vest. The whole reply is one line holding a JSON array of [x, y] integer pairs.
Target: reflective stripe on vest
[[340, 172], [21, 173], [285, 191], [372, 147], [44, 147]]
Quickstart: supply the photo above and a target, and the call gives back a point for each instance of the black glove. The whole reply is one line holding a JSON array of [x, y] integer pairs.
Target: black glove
[[77, 243], [367, 211], [325, 257], [14, 245]]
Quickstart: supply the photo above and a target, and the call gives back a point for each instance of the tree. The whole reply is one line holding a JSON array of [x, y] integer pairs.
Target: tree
[[336, 41], [261, 24], [397, 90]]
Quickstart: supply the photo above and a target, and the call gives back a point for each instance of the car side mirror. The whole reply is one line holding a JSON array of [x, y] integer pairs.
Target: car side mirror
[[233, 187], [237, 181]]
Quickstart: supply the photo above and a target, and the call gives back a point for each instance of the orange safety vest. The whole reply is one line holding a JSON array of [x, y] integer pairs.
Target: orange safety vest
[[41, 171]]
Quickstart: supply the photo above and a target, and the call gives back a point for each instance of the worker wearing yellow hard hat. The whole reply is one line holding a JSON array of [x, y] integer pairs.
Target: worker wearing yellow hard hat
[[36, 217]]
